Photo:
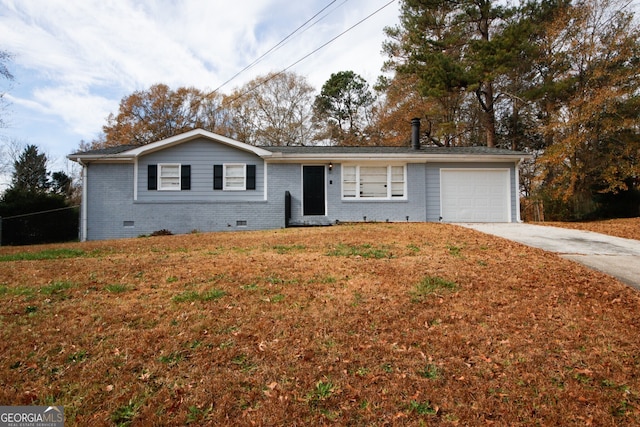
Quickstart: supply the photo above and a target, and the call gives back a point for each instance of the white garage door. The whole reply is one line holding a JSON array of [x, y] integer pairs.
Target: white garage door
[[475, 195]]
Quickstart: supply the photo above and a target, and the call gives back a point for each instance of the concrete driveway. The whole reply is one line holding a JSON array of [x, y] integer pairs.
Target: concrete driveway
[[615, 256]]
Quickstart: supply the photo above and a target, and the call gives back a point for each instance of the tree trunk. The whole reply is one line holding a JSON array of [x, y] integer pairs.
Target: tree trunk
[[485, 96]]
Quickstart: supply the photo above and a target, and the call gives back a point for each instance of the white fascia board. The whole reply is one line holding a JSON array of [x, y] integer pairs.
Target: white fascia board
[[473, 158], [417, 158], [196, 133], [103, 158]]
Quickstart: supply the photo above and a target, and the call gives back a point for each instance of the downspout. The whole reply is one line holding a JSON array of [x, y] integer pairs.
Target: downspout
[[518, 218], [83, 203]]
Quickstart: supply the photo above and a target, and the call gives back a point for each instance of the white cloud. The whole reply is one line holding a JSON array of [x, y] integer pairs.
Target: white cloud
[[79, 58], [72, 105]]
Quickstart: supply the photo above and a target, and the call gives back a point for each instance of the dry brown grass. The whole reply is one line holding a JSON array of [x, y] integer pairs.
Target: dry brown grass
[[318, 326], [629, 228]]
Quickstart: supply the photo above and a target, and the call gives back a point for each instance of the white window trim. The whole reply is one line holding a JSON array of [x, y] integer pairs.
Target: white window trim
[[389, 181], [224, 177], [160, 167]]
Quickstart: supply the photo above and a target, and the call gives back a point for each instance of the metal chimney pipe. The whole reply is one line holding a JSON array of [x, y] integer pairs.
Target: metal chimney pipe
[[415, 133]]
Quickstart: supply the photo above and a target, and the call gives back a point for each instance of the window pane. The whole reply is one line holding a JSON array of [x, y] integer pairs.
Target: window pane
[[397, 181], [169, 183], [373, 181], [349, 181], [235, 183], [397, 189], [170, 170], [397, 173], [235, 171]]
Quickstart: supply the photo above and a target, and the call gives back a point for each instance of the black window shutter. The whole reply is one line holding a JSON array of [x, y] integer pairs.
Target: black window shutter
[[217, 177], [251, 177], [152, 177], [185, 177]]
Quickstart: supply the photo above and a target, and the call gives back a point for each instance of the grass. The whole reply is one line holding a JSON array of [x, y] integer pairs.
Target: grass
[[117, 288], [422, 408], [345, 325], [171, 359], [430, 371], [62, 253], [55, 289], [322, 391], [285, 249], [191, 296], [123, 416], [363, 251], [431, 285]]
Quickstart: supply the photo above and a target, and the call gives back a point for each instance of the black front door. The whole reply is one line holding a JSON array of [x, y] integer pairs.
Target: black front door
[[313, 202]]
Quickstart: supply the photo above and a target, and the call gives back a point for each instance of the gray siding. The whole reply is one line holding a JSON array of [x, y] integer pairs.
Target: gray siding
[[201, 154], [432, 185]]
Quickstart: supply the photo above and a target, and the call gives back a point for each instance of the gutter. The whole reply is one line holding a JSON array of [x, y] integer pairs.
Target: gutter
[[414, 158], [83, 203]]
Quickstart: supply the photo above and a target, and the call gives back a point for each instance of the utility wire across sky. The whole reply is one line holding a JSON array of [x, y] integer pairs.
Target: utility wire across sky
[[274, 75], [277, 45]]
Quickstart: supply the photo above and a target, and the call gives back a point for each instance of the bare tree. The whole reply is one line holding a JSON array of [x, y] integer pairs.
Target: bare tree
[[5, 58], [273, 110]]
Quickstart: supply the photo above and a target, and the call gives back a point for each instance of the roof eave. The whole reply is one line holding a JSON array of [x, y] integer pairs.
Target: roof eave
[[107, 158], [412, 158], [133, 153]]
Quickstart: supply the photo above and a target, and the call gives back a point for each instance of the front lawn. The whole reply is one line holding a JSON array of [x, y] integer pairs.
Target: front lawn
[[366, 324]]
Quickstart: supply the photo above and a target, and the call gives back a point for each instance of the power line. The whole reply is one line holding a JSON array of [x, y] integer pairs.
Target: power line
[[38, 213], [276, 46], [235, 98], [323, 17], [339, 35]]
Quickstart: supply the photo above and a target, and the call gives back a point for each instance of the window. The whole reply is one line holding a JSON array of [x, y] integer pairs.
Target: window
[[373, 182], [169, 177], [234, 177], [349, 181]]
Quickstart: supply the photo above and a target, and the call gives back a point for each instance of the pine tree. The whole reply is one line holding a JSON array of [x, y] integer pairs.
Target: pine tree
[[30, 172], [455, 47], [343, 108]]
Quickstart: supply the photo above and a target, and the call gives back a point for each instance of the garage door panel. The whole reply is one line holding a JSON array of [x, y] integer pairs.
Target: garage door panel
[[475, 195]]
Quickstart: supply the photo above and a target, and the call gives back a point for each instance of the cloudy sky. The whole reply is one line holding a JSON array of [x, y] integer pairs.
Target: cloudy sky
[[74, 60]]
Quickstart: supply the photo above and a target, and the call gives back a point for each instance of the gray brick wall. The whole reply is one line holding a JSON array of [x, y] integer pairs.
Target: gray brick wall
[[112, 212]]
